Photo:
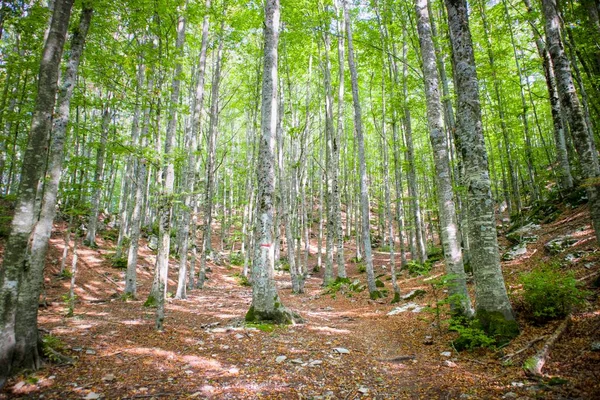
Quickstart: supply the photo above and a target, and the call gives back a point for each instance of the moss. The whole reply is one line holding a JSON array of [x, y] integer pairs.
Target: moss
[[279, 316], [261, 327], [379, 284], [497, 326], [396, 298], [375, 294], [151, 302], [127, 297]]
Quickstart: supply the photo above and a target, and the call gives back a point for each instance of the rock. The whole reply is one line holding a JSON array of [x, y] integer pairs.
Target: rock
[[153, 242], [363, 390], [77, 349], [341, 350], [446, 354], [219, 330], [92, 396], [596, 346], [450, 364], [428, 340], [280, 359], [524, 234], [517, 384], [510, 395], [413, 294], [90, 351], [409, 306], [557, 245], [108, 378], [297, 361], [515, 252], [239, 336], [315, 363]]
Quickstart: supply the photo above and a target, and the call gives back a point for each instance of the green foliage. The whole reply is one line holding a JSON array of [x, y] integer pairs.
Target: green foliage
[[119, 263], [549, 293], [344, 286], [51, 347], [70, 302], [434, 254], [265, 327], [242, 279], [470, 334], [361, 268], [417, 268], [110, 234], [379, 284], [236, 259], [127, 296], [65, 274], [151, 302]]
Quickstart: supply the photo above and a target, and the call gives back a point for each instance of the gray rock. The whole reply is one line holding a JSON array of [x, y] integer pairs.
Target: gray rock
[[363, 390], [341, 350], [280, 359], [510, 395], [153, 242], [413, 294], [92, 396], [524, 234], [450, 364], [428, 340], [446, 354], [315, 363], [414, 307], [596, 346], [559, 244], [515, 252], [90, 351]]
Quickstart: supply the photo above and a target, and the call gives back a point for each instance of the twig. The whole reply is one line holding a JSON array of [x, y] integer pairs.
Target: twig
[[527, 346]]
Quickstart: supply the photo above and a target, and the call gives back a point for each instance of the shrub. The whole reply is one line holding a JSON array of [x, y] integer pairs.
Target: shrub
[[119, 263], [361, 268], [236, 259], [549, 293], [470, 334], [417, 268], [242, 279]]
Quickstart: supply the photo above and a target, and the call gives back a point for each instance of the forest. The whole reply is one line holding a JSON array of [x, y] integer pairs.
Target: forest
[[311, 199]]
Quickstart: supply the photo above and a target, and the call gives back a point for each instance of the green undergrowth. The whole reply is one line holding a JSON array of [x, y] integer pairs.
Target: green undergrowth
[[549, 293], [344, 286], [241, 279]]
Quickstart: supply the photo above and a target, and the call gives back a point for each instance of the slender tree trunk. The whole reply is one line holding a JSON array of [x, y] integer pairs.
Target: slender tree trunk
[[493, 307], [18, 352], [139, 184], [449, 228], [364, 189], [588, 157], [211, 142], [99, 177], [161, 271]]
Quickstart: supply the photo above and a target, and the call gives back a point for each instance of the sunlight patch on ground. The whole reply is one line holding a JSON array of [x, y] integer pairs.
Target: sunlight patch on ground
[[329, 330]]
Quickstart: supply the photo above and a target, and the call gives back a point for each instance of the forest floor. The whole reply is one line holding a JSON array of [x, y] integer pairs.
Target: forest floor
[[347, 348]]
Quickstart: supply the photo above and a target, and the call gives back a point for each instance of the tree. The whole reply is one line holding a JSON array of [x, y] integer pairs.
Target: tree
[[584, 145], [266, 305], [18, 352], [493, 308], [449, 227]]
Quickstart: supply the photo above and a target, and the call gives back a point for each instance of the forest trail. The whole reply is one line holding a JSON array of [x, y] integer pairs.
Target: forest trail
[[207, 352]]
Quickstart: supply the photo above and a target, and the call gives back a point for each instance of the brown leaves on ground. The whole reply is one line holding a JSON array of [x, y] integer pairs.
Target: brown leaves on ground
[[206, 352]]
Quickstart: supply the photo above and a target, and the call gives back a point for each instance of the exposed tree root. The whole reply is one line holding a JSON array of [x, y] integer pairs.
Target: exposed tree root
[[533, 366]]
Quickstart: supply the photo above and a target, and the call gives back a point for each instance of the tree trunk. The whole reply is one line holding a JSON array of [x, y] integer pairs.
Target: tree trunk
[[493, 307], [266, 304], [17, 251], [364, 188], [98, 177], [588, 157], [161, 270], [459, 295]]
